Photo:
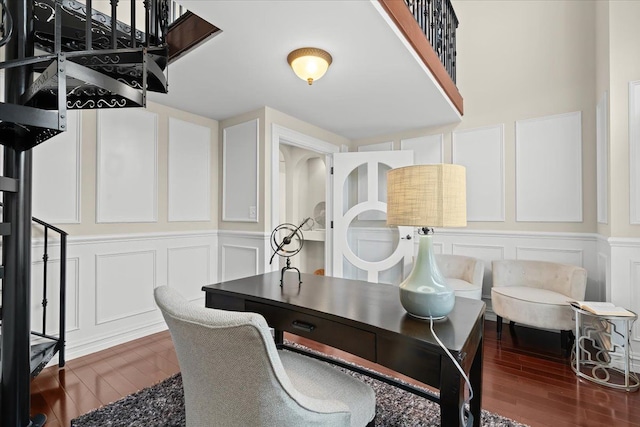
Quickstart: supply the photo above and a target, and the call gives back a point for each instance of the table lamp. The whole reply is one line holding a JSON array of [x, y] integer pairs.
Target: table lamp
[[427, 196]]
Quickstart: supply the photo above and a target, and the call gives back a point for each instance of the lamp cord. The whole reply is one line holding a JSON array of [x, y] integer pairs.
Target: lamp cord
[[455, 362]]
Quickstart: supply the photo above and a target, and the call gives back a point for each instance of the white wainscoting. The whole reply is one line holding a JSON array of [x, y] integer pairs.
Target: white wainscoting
[[128, 278], [244, 253], [574, 248], [188, 267], [110, 282], [624, 283]]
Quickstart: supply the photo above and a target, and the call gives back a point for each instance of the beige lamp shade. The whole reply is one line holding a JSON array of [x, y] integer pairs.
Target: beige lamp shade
[[309, 63], [427, 196]]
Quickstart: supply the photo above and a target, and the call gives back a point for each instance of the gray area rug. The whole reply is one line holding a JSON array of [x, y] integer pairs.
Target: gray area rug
[[162, 405]]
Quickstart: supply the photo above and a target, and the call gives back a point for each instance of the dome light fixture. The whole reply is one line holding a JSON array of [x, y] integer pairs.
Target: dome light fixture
[[309, 63]]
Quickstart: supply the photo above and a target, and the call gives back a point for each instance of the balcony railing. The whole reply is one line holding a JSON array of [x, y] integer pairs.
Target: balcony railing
[[175, 11], [438, 22]]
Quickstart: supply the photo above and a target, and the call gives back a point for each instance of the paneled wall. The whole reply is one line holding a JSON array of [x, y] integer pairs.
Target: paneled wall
[[136, 189], [243, 254], [110, 282]]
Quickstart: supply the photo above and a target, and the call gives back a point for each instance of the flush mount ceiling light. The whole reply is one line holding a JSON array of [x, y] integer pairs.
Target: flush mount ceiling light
[[309, 63]]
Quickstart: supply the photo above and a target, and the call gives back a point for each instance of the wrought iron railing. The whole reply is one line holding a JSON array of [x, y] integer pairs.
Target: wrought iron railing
[[63, 287], [104, 30], [176, 11], [62, 295], [438, 22]]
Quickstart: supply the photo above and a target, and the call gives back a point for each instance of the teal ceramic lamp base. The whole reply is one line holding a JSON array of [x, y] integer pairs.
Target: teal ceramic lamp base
[[425, 294]]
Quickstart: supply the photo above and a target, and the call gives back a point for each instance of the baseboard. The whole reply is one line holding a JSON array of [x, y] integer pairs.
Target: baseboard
[[105, 342]]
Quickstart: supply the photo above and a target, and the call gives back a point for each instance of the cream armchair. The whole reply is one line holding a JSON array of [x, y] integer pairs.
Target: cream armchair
[[536, 293], [464, 274], [233, 375]]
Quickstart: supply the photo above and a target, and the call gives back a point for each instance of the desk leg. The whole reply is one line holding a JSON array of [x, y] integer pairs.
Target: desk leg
[[475, 377], [451, 394], [452, 391]]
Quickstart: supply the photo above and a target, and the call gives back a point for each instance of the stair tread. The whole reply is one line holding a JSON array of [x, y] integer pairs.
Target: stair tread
[[42, 351], [8, 184]]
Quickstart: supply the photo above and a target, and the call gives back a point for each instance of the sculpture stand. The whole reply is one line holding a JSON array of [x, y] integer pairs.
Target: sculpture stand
[[288, 267]]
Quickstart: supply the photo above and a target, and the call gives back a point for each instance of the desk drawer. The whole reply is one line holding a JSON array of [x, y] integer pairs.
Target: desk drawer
[[335, 334]]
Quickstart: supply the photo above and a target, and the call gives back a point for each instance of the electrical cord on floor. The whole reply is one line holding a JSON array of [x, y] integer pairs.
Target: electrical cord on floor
[[455, 362]]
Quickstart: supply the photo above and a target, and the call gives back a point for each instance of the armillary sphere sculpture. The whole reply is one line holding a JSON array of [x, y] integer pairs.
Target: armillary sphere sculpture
[[288, 246]]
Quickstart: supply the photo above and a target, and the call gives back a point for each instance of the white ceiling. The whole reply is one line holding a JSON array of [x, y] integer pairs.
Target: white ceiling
[[375, 86]]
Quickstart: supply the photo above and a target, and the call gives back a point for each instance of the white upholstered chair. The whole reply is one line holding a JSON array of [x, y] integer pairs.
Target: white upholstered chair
[[536, 293], [233, 375], [465, 274]]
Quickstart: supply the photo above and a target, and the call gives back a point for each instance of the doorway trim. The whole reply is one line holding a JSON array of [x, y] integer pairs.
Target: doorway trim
[[283, 135]]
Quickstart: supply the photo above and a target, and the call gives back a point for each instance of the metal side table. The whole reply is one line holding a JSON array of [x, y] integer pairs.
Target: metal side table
[[602, 351]]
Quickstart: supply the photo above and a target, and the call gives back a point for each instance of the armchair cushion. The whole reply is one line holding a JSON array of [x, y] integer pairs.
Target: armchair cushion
[[465, 274], [536, 293]]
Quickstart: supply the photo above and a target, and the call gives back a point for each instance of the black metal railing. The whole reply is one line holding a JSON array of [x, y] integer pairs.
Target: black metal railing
[[74, 31], [61, 338], [438, 22], [176, 10], [63, 288]]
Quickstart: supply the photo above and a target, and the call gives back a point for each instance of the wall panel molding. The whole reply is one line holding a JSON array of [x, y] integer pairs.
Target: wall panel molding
[[552, 254], [426, 149], [240, 172], [235, 265], [130, 274], [602, 159], [634, 151], [57, 175], [481, 152], [92, 259], [189, 173], [188, 269], [549, 168], [472, 249], [603, 275], [133, 237], [634, 297], [127, 166]]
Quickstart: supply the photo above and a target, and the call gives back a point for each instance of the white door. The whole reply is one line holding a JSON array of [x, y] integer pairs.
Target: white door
[[364, 247]]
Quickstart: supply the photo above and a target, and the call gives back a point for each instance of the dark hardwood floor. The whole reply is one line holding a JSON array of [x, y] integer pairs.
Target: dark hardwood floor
[[526, 378]]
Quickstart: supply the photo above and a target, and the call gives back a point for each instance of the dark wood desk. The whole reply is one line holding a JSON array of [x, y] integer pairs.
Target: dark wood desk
[[367, 320]]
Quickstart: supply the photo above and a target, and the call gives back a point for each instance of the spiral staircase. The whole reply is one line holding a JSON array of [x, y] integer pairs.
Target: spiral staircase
[[59, 55], [86, 63]]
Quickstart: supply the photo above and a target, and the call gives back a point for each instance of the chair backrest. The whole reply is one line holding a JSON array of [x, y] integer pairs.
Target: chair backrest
[[461, 267], [231, 372], [569, 280]]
